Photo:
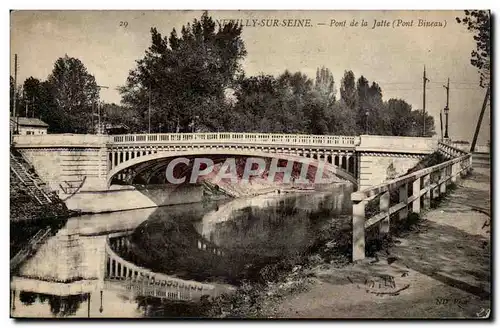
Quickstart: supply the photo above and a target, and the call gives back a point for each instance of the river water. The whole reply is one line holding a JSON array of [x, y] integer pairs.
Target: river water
[[251, 233]]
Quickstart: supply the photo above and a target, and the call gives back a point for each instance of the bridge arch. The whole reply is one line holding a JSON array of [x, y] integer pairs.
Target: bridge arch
[[339, 172]]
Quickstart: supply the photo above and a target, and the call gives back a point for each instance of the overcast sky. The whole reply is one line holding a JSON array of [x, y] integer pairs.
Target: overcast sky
[[393, 56]]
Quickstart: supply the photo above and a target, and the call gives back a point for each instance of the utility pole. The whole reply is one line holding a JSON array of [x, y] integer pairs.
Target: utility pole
[[99, 109], [441, 122], [15, 95], [26, 102], [480, 120], [423, 112], [149, 109], [447, 108]]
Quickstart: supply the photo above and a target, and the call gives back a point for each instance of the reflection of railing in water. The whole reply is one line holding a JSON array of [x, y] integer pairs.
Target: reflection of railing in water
[[143, 282], [159, 289], [122, 244]]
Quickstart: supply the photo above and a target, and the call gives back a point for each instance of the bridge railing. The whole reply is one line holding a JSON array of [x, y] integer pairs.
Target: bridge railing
[[228, 137], [450, 149], [414, 190]]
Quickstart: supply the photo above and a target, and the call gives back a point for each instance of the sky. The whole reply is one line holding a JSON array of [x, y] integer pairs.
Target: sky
[[392, 53]]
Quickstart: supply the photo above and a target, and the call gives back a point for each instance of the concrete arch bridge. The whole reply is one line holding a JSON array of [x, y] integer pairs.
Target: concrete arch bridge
[[96, 173]]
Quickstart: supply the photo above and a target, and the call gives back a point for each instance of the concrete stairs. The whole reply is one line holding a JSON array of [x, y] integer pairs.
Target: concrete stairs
[[34, 185]]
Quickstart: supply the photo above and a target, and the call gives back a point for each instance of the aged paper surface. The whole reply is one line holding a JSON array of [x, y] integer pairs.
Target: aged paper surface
[[250, 164]]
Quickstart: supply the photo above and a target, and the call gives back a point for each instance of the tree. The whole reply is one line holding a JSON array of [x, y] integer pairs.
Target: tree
[[185, 77], [479, 23], [74, 93], [401, 121], [325, 85], [115, 115], [363, 109], [417, 119], [348, 90], [31, 97], [379, 118], [341, 120]]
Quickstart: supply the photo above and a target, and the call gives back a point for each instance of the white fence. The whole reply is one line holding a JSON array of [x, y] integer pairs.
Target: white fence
[[423, 188]]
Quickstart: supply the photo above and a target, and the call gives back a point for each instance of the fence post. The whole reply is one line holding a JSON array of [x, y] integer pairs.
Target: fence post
[[384, 205], [435, 189], [442, 176], [403, 198], [358, 231], [416, 193], [454, 170], [427, 195]]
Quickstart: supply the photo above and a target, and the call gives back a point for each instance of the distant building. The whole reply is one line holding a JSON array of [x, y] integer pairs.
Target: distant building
[[28, 126], [116, 128]]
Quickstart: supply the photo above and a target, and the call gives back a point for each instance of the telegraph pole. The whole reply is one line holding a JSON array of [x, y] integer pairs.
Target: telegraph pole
[[447, 108], [423, 112], [15, 95], [149, 109], [441, 122], [480, 120], [26, 102], [99, 109]]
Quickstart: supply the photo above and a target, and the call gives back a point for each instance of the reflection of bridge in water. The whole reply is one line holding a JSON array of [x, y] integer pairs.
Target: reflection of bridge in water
[[85, 258], [125, 275]]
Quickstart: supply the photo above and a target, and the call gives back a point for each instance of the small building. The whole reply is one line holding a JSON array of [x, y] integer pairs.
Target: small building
[[28, 126], [116, 128]]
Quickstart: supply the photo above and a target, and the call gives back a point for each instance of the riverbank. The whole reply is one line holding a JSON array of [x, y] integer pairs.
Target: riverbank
[[437, 268], [296, 276]]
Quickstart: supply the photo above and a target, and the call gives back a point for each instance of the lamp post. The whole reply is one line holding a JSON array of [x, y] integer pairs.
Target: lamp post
[[447, 109], [446, 112]]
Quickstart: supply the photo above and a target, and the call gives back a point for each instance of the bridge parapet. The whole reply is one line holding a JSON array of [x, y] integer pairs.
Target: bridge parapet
[[61, 140], [397, 144], [234, 137]]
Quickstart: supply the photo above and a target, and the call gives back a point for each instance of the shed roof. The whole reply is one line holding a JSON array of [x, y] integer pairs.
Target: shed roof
[[28, 121]]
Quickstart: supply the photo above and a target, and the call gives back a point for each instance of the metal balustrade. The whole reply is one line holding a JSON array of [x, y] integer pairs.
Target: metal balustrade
[[232, 137], [423, 188]]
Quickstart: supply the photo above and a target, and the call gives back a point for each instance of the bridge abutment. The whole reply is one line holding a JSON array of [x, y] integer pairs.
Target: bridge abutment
[[382, 158], [67, 163]]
